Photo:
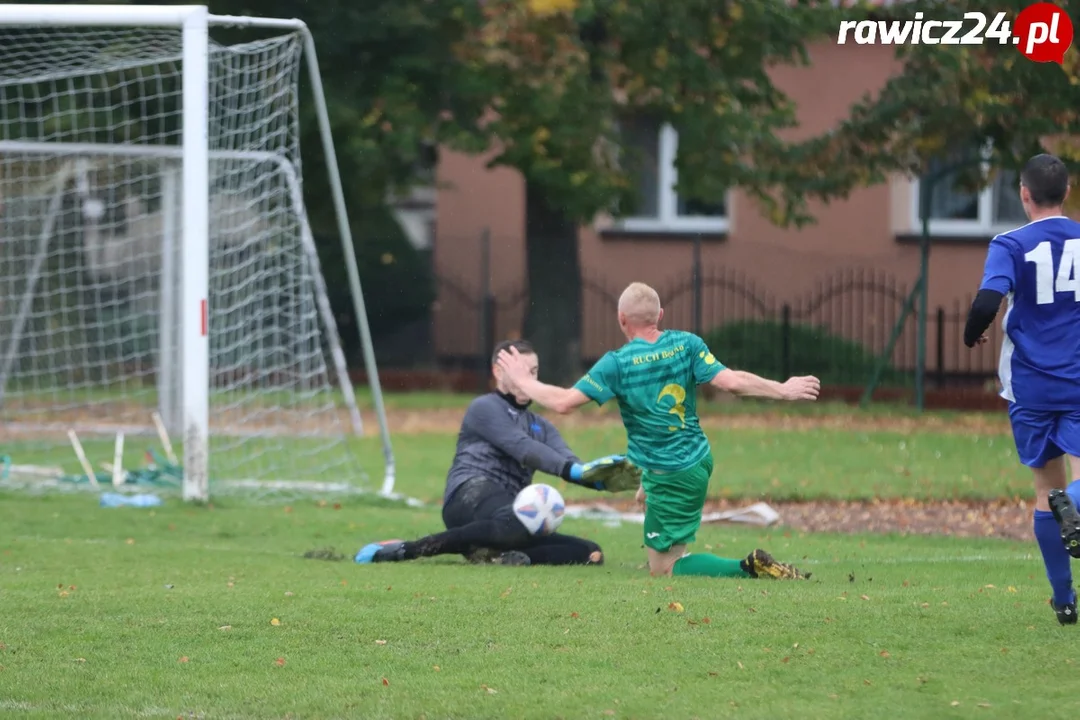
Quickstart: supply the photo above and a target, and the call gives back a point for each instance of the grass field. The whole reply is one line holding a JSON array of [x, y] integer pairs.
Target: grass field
[[752, 462], [213, 612]]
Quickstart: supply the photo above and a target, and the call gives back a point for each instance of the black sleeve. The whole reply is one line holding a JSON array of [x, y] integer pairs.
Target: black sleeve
[[983, 311], [488, 419], [554, 440]]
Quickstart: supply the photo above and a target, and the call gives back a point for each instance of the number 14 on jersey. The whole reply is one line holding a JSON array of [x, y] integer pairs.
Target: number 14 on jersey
[[1066, 281]]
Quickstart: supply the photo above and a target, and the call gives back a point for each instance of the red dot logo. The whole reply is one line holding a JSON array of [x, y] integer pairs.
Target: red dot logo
[[1043, 32]]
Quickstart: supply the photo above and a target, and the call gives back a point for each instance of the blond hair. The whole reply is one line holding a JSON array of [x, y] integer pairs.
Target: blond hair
[[640, 304]]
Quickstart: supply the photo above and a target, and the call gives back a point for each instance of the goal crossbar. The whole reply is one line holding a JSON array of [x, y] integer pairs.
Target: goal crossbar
[[195, 20]]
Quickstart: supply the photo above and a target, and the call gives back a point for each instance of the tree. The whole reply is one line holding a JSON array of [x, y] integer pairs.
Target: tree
[[962, 96], [560, 75]]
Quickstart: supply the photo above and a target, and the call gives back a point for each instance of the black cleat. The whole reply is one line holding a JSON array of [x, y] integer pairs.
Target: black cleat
[[482, 556], [487, 556], [513, 558], [1066, 614], [1068, 519]]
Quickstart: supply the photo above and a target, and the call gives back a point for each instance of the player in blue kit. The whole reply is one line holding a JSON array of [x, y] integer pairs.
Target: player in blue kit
[[1036, 269]]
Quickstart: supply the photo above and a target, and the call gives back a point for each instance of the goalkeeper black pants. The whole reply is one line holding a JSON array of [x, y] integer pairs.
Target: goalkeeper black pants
[[480, 515]]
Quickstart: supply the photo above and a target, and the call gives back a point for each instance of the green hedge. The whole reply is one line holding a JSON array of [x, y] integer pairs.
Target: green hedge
[[757, 346]]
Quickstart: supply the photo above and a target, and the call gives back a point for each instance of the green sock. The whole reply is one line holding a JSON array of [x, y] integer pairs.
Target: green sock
[[709, 565]]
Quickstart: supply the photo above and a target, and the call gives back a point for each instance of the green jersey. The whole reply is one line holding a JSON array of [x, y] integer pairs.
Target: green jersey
[[656, 387]]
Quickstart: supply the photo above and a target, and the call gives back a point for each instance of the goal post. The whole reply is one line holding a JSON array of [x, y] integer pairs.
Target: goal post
[[188, 223]]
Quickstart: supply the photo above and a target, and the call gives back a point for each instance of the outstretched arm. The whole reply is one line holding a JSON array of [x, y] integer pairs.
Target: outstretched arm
[[561, 400], [612, 473], [554, 440], [738, 382], [489, 421]]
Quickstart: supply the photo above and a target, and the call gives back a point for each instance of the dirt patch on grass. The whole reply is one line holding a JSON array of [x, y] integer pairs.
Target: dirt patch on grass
[[1000, 518]]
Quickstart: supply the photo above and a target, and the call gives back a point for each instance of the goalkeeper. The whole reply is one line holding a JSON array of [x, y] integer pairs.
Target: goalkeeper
[[500, 445]]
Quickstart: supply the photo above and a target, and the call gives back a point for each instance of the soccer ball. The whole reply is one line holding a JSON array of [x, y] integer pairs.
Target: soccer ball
[[540, 509]]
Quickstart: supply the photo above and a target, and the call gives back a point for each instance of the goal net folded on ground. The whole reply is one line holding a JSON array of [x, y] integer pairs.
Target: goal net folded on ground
[[155, 254]]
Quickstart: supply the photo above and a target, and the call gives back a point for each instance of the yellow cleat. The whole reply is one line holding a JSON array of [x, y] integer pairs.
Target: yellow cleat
[[761, 564]]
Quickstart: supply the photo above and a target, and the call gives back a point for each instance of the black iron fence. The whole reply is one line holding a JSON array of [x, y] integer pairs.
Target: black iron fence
[[837, 331]]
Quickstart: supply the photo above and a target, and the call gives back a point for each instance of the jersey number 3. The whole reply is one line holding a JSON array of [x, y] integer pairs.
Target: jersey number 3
[[678, 394], [1046, 286]]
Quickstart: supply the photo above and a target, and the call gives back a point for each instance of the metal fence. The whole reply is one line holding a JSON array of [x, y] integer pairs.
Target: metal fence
[[837, 330]]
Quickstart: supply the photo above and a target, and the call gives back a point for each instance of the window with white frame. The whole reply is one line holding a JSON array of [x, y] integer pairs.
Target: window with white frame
[[660, 208], [956, 211]]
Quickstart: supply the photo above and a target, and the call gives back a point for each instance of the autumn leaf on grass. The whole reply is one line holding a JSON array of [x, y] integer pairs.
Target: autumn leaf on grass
[[184, 659], [280, 662], [488, 690], [380, 642], [275, 622], [385, 681], [676, 606]]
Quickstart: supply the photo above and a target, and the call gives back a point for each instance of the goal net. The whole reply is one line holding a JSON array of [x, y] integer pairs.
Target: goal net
[[93, 264]]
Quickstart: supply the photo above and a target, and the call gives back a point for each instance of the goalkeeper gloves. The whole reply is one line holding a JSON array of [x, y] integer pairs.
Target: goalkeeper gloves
[[613, 473]]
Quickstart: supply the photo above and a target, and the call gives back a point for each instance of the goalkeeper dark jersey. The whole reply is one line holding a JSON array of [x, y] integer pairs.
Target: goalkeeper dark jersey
[[505, 442]]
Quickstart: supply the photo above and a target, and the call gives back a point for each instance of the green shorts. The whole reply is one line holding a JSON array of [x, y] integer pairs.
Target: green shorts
[[673, 504]]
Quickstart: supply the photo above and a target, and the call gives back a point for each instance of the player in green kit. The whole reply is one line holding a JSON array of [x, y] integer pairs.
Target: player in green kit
[[654, 378]]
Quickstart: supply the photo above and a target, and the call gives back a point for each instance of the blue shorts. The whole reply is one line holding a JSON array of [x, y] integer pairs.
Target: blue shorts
[[1043, 435]]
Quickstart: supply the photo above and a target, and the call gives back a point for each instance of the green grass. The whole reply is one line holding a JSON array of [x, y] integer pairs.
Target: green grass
[[98, 608], [101, 607], [750, 463]]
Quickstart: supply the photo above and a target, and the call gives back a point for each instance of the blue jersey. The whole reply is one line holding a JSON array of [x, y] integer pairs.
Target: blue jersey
[[1037, 268]]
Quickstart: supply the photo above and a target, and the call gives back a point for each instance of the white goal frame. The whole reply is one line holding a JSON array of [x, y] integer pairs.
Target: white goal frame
[[194, 156]]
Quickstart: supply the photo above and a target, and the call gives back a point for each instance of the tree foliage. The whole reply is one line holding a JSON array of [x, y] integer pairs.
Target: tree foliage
[[561, 75], [961, 96]]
